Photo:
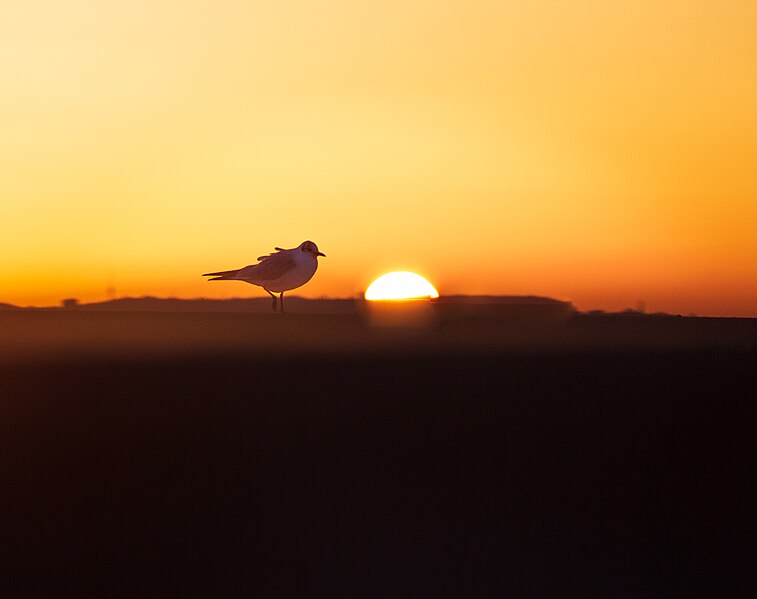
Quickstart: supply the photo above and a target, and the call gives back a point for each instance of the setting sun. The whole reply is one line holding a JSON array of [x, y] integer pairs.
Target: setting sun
[[399, 286]]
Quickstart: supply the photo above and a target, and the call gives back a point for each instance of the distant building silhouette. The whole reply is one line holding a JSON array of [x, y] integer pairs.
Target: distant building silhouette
[[70, 304]]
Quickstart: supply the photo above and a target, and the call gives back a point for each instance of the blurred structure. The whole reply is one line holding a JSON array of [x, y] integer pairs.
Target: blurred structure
[[70, 304]]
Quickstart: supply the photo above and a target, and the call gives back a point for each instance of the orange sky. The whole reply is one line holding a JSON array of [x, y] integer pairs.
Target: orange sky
[[596, 151]]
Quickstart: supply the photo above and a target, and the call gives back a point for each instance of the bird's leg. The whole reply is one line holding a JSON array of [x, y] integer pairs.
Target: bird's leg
[[273, 306], [281, 300]]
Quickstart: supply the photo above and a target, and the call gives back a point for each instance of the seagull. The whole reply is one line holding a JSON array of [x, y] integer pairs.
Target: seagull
[[279, 271]]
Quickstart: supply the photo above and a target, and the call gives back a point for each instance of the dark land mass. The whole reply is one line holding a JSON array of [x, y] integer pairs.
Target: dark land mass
[[254, 305], [483, 450]]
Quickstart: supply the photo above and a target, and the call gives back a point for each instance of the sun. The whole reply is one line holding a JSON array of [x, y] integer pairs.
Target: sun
[[399, 286]]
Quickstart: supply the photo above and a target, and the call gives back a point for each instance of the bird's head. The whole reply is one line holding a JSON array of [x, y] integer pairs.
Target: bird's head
[[310, 248]]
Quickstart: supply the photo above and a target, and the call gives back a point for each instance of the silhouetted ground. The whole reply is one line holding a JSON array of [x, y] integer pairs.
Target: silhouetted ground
[[485, 455], [254, 305]]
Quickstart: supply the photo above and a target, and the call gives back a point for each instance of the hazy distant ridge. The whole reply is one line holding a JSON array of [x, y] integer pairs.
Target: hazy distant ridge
[[263, 304]]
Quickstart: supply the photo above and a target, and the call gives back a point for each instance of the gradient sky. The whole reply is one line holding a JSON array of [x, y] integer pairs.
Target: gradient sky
[[597, 151]]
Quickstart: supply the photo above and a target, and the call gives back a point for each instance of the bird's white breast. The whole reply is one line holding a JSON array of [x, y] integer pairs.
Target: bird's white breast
[[303, 271]]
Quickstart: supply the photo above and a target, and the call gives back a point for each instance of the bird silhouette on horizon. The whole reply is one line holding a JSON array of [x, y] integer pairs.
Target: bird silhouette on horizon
[[279, 271]]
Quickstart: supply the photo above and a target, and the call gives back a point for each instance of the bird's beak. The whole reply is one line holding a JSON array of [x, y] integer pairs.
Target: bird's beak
[[320, 254]]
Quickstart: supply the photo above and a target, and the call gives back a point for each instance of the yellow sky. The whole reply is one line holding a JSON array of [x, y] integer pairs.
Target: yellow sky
[[596, 151]]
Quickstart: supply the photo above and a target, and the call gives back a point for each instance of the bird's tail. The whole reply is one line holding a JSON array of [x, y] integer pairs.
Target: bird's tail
[[223, 275]]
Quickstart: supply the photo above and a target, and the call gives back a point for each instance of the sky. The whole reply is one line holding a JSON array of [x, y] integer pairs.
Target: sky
[[596, 151]]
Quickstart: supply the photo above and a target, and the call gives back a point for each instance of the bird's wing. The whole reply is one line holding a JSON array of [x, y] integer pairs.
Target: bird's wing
[[276, 253], [269, 268]]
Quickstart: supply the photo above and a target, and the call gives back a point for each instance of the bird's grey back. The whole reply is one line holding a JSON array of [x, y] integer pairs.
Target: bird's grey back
[[269, 268]]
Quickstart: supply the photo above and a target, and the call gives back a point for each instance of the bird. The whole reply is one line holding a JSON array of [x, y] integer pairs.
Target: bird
[[279, 271]]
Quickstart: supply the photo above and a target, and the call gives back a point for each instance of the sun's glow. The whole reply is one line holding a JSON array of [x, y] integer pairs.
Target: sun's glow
[[400, 285], [620, 143]]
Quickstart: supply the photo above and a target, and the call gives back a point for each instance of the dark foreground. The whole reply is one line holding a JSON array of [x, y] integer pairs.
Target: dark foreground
[[399, 468]]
